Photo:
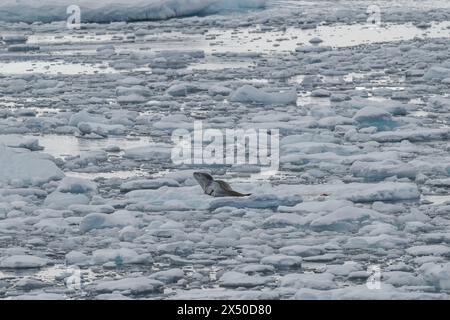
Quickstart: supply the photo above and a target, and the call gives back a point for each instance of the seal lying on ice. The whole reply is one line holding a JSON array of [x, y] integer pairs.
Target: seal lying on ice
[[216, 188]]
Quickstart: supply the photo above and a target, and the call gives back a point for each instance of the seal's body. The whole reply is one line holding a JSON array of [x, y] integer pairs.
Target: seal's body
[[216, 188]]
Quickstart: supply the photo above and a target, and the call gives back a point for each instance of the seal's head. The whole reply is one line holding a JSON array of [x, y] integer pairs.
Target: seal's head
[[203, 179]]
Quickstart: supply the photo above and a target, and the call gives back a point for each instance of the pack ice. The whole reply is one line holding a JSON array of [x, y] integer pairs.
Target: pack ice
[[356, 208]]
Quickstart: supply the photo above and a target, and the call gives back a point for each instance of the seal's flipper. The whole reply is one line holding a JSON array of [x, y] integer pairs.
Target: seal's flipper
[[226, 188], [203, 179]]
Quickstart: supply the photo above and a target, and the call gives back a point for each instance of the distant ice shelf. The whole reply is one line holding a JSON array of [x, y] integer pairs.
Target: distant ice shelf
[[118, 10]]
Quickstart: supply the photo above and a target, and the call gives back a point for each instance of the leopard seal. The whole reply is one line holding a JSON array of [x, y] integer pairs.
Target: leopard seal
[[216, 188]]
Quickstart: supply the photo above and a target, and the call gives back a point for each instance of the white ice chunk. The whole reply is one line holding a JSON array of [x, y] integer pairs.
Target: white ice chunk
[[139, 285], [437, 73], [24, 169], [343, 219], [235, 279], [102, 220], [251, 94], [150, 152], [320, 281], [375, 171], [22, 262], [437, 275], [16, 141]]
